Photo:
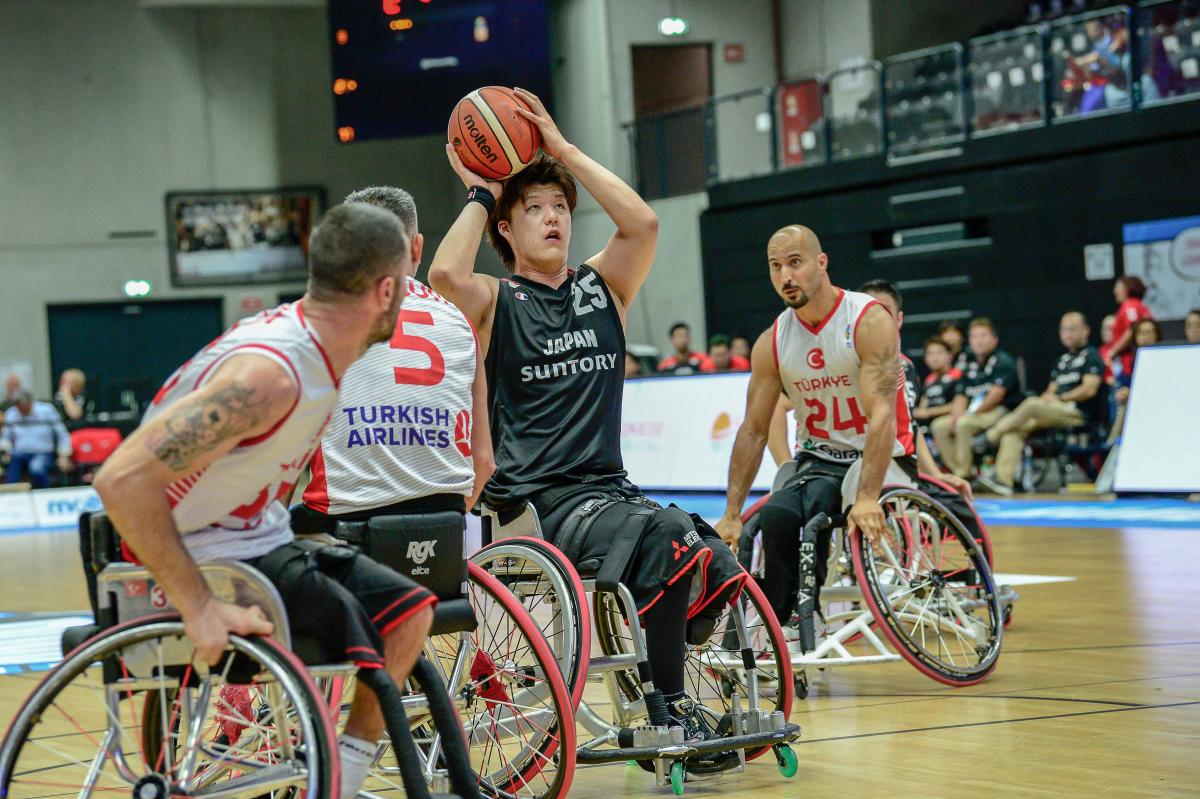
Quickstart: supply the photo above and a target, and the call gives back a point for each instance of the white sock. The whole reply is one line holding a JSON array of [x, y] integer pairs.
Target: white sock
[[356, 756]]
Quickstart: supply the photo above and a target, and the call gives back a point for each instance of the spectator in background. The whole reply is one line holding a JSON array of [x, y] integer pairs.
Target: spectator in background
[[988, 390], [1146, 333], [683, 361], [951, 333], [12, 388], [1128, 292], [941, 383], [1106, 339], [70, 401], [740, 347], [1072, 398], [33, 433], [1191, 327], [633, 367], [722, 357]]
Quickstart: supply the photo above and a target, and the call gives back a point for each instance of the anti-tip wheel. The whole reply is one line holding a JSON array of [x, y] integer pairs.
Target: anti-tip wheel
[[786, 759], [677, 778]]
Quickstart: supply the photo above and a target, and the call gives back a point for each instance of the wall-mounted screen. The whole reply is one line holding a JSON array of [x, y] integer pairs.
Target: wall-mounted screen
[[1165, 253], [236, 237], [399, 66]]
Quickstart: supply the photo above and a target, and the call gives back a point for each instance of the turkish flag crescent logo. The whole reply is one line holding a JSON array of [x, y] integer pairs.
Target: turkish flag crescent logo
[[462, 433]]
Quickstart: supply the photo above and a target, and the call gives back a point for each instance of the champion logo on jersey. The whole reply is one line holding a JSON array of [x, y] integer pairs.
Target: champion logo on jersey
[[520, 295], [816, 358]]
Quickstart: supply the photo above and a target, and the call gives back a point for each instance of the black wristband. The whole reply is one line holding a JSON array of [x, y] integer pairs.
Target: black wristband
[[483, 196]]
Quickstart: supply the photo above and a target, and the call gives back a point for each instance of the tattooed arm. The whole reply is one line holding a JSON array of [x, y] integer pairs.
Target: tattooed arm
[[878, 350], [246, 396]]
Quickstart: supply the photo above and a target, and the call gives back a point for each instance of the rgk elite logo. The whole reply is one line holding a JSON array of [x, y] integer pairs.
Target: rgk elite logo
[[419, 551], [462, 433], [816, 358]]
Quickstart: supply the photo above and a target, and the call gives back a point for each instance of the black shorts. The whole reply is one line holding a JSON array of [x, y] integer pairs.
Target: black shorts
[[341, 599]]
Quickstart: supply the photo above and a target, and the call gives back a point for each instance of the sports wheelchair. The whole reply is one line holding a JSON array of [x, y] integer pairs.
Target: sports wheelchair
[[155, 720], [927, 587], [741, 677]]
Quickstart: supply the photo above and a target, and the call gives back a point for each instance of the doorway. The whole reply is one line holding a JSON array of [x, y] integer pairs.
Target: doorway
[[671, 140], [128, 349]]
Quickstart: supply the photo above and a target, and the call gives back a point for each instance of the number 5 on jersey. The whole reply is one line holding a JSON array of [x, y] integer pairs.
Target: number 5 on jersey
[[402, 340]]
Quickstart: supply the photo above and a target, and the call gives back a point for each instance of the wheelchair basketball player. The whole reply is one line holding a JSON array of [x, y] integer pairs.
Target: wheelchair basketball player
[[834, 353], [555, 343], [227, 437]]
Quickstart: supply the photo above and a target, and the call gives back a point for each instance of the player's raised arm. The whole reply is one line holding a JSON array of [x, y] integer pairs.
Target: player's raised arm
[[246, 397], [625, 262], [452, 273], [878, 351], [761, 399]]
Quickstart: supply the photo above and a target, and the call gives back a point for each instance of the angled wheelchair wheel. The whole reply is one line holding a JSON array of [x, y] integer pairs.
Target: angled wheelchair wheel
[[929, 585], [154, 721], [549, 589], [508, 691], [715, 671]]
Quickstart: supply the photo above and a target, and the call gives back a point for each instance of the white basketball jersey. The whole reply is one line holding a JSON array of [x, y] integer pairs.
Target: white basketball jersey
[[402, 429], [819, 368], [232, 508]]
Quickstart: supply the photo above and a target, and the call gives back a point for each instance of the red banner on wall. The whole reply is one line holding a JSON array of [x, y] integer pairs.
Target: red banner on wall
[[799, 115]]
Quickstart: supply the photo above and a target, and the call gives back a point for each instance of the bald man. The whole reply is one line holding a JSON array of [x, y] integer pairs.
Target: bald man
[[1073, 398], [835, 355]]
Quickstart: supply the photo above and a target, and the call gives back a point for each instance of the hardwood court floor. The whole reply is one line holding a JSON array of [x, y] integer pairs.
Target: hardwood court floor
[[1097, 691]]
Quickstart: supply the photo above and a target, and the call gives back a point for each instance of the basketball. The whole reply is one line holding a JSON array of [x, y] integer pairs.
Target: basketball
[[490, 137]]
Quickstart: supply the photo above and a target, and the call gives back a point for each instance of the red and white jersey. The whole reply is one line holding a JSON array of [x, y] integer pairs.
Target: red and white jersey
[[232, 508], [402, 429], [819, 368]]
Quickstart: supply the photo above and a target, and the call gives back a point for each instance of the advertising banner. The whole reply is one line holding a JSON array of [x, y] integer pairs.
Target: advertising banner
[[677, 432], [1166, 255], [1161, 439]]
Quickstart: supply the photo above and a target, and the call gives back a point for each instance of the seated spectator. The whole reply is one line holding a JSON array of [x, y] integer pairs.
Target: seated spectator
[[722, 357], [12, 388], [683, 361], [951, 333], [633, 367], [1128, 291], [987, 390], [940, 384], [70, 401], [1072, 398], [1106, 339], [740, 347], [33, 433], [1146, 333], [1191, 327]]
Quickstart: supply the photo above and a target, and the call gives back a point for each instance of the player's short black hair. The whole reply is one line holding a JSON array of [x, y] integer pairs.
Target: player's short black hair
[[948, 324], [354, 245], [719, 340], [390, 198], [1134, 286], [881, 286], [678, 325], [542, 170]]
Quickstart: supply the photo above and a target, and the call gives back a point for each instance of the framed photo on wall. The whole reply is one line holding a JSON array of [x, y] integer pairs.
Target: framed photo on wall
[[224, 238]]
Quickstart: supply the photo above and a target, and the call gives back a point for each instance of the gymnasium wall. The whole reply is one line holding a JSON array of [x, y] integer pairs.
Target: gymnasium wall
[[1027, 203], [817, 35], [108, 106]]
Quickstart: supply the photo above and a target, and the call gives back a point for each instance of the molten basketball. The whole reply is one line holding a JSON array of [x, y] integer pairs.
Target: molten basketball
[[490, 137]]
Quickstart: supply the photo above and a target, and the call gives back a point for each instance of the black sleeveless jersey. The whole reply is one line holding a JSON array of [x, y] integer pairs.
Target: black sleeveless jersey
[[555, 371]]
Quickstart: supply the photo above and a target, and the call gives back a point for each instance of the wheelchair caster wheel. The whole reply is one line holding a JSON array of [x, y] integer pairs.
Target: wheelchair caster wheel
[[152, 786], [677, 778], [1008, 609], [801, 685], [786, 759]]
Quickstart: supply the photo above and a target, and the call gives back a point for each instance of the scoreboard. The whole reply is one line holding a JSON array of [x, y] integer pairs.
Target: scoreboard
[[399, 66]]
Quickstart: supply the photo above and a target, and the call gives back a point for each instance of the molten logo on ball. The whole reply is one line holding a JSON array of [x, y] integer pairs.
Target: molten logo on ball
[[485, 149], [816, 358]]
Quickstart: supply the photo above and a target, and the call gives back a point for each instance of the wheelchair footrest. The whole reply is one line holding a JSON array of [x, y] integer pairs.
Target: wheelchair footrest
[[785, 734]]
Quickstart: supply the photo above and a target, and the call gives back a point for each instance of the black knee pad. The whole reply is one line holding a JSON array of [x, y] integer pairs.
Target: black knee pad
[[779, 520]]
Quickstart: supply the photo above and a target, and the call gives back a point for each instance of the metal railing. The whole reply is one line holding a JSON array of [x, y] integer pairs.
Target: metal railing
[[916, 105]]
